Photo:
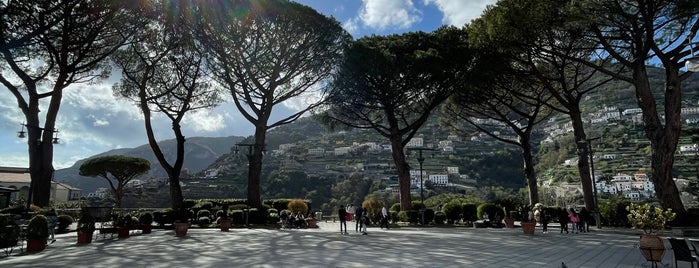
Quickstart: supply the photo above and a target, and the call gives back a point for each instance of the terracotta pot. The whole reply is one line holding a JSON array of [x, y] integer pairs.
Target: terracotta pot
[[225, 224], [652, 247], [123, 232], [528, 227], [312, 223], [181, 228], [84, 238], [36, 245], [509, 223]]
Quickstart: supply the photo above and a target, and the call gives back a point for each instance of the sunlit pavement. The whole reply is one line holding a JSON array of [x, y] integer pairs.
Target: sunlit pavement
[[326, 247]]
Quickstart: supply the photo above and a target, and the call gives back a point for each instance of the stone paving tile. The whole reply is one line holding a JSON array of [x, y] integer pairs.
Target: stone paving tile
[[326, 247]]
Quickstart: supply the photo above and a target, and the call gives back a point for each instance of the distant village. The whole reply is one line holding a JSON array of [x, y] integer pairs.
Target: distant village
[[14, 182]]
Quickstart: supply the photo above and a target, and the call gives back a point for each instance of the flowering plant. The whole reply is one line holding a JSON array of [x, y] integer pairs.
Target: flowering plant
[[649, 218]]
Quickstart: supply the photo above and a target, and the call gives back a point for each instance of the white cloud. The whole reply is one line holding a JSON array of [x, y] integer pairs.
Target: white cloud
[[383, 14], [460, 12], [351, 26], [204, 121]]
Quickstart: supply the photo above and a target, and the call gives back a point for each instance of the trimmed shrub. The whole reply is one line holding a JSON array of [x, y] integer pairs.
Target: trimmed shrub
[[145, 218], [204, 213], [452, 211], [394, 216], [440, 217], [429, 215], [470, 212], [38, 227], [413, 216], [165, 216], [204, 221], [298, 205], [63, 222], [493, 211], [395, 207], [417, 205], [9, 231]]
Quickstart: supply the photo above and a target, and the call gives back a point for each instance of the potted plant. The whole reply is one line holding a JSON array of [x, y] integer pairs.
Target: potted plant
[[86, 228], [9, 231], [528, 224], [182, 223], [37, 233], [509, 220], [124, 224], [651, 219], [145, 221], [224, 221]]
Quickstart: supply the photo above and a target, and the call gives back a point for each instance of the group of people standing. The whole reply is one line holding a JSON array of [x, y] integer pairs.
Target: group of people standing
[[579, 221], [361, 218]]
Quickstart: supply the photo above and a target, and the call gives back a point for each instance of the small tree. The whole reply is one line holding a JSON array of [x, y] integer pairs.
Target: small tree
[[298, 205], [122, 169]]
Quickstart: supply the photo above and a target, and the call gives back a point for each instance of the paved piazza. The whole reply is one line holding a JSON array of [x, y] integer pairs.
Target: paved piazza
[[325, 247]]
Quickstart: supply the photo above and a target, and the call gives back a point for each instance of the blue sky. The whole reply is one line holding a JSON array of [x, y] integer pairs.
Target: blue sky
[[92, 121]]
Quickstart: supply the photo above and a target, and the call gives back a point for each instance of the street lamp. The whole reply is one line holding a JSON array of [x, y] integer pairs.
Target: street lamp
[[23, 134], [590, 153], [421, 160], [249, 153]]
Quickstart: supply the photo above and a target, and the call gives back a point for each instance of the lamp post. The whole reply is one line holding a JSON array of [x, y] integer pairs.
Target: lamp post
[[38, 151], [250, 147], [590, 154], [421, 160]]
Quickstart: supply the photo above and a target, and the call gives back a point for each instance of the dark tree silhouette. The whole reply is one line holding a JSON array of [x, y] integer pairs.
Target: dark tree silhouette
[[118, 170]]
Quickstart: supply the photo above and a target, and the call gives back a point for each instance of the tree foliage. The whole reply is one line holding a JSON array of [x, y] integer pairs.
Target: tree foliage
[[118, 170], [266, 53], [163, 72], [391, 84], [47, 46]]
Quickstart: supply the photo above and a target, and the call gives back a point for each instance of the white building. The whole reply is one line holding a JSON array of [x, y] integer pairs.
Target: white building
[[439, 179]]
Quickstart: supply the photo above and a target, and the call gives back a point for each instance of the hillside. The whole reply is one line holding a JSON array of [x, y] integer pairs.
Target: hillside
[[200, 152]]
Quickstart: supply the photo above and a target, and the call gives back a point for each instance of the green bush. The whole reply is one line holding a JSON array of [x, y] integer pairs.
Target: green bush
[[493, 210], [413, 216], [86, 223], [257, 216], [429, 215], [614, 212], [204, 213], [395, 207], [204, 221], [238, 216], [402, 216], [38, 227], [63, 222], [162, 217], [439, 217], [470, 212], [273, 218], [394, 216], [145, 218], [207, 205], [9, 231], [417, 205], [452, 211]]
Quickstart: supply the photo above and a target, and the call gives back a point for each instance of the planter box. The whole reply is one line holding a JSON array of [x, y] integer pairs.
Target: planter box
[[181, 228], [528, 227], [84, 238], [36, 245], [225, 224]]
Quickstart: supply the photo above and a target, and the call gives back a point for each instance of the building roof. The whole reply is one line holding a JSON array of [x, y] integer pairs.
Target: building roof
[[15, 177], [61, 186]]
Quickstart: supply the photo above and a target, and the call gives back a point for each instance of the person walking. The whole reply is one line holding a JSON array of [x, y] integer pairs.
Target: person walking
[[384, 217], [563, 219], [585, 218], [545, 218], [52, 218], [342, 214], [365, 221], [358, 213], [574, 219]]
